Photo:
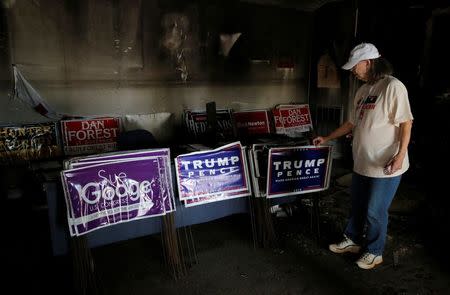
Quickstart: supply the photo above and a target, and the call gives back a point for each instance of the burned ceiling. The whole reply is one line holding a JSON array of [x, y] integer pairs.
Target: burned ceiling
[[303, 5]]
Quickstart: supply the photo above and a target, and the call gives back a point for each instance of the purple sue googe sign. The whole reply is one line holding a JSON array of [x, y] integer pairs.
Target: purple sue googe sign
[[111, 193]]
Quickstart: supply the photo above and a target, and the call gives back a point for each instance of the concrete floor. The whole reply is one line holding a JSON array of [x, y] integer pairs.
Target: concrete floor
[[228, 263]]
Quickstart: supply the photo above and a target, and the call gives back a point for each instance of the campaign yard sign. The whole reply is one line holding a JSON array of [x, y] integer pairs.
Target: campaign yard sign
[[298, 170], [87, 136], [221, 173], [26, 142], [197, 123], [117, 190], [292, 119], [221, 195], [215, 198], [163, 156], [252, 122]]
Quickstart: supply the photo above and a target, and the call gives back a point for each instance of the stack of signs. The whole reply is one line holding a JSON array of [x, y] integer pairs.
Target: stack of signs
[[113, 188], [89, 136], [251, 123], [197, 123], [29, 142], [258, 155], [292, 119], [275, 176], [211, 176], [297, 170]]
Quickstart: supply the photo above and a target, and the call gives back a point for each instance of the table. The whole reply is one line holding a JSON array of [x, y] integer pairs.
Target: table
[[133, 229]]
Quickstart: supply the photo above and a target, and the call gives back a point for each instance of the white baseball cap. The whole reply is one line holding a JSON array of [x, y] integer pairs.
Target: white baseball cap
[[361, 52]]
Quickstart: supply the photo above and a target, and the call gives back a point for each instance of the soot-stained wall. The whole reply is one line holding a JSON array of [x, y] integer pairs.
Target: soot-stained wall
[[134, 57]]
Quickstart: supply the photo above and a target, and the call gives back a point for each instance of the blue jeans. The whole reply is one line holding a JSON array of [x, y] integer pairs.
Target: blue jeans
[[371, 198]]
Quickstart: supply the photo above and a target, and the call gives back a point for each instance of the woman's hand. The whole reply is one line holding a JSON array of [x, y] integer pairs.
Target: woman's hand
[[340, 131], [394, 164], [320, 140]]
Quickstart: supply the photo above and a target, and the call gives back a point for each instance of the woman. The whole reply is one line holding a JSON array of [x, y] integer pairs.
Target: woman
[[380, 122]]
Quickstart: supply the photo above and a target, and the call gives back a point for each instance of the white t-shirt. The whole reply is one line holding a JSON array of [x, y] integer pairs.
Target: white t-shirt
[[377, 112]]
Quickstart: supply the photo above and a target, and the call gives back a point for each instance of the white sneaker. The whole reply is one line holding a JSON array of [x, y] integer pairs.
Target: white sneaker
[[346, 245], [369, 260]]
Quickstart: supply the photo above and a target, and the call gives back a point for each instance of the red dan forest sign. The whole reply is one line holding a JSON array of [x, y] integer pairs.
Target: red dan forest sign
[[90, 135]]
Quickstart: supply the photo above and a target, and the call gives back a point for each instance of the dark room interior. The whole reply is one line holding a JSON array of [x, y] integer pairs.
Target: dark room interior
[[169, 84]]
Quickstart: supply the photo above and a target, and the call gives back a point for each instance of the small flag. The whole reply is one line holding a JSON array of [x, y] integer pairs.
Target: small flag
[[26, 92]]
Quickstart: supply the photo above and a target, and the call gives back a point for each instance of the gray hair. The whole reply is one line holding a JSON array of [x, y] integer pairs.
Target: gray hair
[[379, 68]]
